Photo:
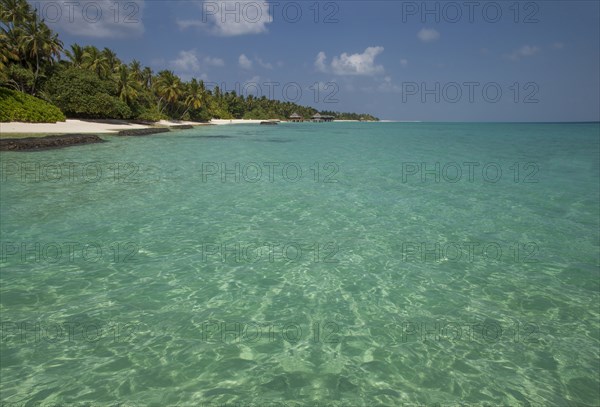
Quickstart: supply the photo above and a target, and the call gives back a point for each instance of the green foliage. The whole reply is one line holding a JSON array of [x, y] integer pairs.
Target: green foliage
[[19, 107], [19, 78], [151, 115], [81, 93], [27, 42], [218, 109], [254, 115], [350, 116], [200, 115]]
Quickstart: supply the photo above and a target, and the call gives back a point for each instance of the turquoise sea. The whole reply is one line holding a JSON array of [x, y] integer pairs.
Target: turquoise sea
[[342, 264]]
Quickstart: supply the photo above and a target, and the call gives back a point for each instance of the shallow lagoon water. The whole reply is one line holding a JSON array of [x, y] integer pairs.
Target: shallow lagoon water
[[343, 263]]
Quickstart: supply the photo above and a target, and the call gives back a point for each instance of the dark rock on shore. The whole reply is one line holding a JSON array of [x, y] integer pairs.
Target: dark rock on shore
[[182, 127], [48, 142], [144, 132]]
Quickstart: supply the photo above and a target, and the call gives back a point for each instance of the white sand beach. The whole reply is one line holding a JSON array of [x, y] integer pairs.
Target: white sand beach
[[72, 126], [220, 122], [67, 127]]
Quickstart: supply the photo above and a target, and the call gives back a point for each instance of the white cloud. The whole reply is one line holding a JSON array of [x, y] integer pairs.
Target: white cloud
[[211, 61], [231, 17], [358, 64], [245, 62], [354, 64], [320, 62], [524, 51], [188, 61], [264, 64], [558, 45], [404, 62], [97, 18], [428, 35]]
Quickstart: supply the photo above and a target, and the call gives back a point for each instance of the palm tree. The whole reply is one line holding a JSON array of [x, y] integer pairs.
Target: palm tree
[[196, 96], [136, 71], [39, 45], [26, 40], [217, 93], [96, 61], [53, 47], [147, 77], [168, 88], [76, 55], [111, 59], [250, 102], [14, 11], [126, 85], [8, 49]]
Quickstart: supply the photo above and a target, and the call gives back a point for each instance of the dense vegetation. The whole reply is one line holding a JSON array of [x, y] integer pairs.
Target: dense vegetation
[[19, 107], [349, 116], [94, 83], [81, 93]]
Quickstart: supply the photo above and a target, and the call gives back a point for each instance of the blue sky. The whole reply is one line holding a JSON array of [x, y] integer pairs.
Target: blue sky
[[399, 60]]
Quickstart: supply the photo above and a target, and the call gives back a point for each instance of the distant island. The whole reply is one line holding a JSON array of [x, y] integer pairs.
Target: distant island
[[37, 85]]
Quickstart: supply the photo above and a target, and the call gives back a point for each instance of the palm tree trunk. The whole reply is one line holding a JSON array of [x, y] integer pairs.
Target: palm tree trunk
[[186, 110], [37, 71]]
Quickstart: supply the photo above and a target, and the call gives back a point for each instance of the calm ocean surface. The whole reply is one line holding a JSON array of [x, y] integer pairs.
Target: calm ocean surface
[[349, 264]]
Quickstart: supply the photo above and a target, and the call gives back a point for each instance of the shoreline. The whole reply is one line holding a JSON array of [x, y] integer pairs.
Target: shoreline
[[17, 136], [20, 136], [109, 127], [224, 122], [76, 126]]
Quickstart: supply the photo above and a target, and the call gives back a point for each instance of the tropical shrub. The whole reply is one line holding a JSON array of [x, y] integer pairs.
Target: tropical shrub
[[81, 93], [20, 107], [150, 115]]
